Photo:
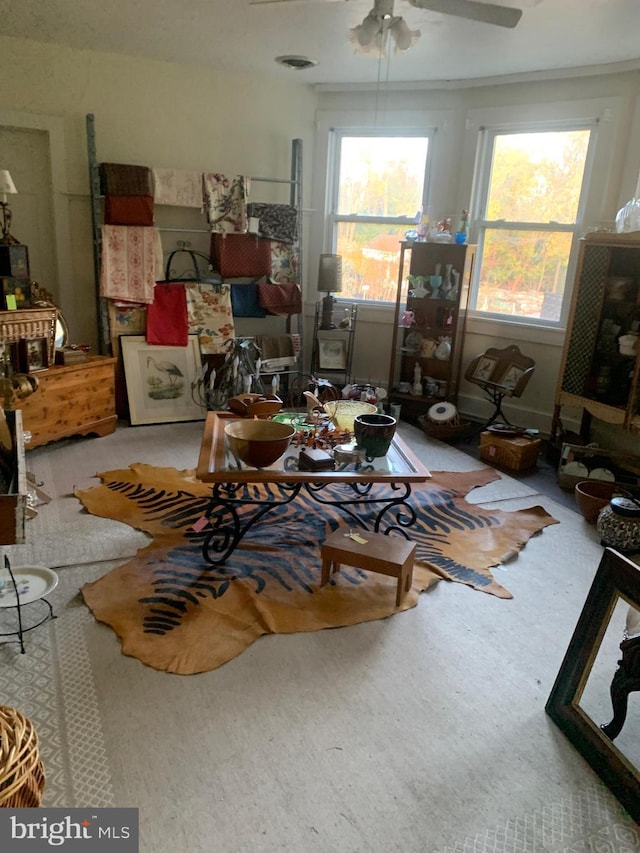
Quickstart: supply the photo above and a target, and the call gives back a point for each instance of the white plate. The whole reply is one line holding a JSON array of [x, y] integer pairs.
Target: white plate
[[602, 474], [576, 469], [33, 582]]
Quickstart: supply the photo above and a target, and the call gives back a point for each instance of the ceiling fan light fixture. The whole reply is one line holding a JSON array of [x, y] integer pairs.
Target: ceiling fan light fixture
[[403, 37]]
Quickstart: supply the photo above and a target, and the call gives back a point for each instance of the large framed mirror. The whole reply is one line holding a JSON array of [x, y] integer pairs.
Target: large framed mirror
[[595, 700]]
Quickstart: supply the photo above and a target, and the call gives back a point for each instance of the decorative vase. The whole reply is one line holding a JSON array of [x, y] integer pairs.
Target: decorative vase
[[374, 434], [619, 524], [435, 283]]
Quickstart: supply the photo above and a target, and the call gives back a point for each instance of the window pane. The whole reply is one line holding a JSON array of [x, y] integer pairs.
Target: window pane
[[523, 273], [381, 176], [370, 259], [537, 177]]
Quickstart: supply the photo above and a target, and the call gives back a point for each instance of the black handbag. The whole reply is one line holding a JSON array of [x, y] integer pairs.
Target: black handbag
[[184, 264]]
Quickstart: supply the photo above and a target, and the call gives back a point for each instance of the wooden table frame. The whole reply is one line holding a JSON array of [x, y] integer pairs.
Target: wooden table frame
[[386, 483]]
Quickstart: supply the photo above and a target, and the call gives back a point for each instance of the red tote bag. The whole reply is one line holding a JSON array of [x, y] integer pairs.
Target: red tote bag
[[239, 255]]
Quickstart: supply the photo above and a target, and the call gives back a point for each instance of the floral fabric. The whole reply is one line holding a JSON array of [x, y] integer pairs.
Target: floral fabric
[[210, 316], [131, 262], [225, 201], [178, 187]]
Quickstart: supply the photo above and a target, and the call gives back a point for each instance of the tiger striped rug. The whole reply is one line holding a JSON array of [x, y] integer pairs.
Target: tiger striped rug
[[175, 612]]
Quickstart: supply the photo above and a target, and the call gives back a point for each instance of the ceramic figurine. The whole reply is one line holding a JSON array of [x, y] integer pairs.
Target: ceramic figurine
[[417, 380], [443, 350]]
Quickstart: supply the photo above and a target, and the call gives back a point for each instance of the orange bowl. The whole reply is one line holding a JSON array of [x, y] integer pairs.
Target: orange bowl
[[592, 496], [259, 443]]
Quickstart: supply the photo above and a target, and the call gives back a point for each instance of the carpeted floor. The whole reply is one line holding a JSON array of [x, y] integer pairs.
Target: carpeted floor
[[422, 732]]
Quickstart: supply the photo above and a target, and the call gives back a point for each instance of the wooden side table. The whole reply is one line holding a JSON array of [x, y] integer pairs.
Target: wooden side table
[[73, 399], [388, 555]]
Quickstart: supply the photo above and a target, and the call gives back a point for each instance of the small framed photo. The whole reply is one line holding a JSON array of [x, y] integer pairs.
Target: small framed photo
[[9, 357], [332, 354], [162, 381], [484, 368], [33, 354], [512, 376]]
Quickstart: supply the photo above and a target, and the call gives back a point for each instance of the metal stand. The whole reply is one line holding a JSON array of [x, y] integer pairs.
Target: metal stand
[[19, 607], [229, 526]]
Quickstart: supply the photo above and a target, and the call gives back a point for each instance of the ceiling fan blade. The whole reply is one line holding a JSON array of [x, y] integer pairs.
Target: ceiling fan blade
[[269, 2], [487, 13]]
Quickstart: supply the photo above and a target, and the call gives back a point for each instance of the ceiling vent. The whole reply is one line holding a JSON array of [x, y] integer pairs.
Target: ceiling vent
[[297, 63]]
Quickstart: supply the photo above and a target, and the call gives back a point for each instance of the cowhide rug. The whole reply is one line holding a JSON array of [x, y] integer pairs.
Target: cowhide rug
[[175, 612]]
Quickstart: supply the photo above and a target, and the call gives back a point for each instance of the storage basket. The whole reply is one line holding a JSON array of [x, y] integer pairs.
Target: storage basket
[[516, 454], [30, 323], [454, 430], [22, 776]]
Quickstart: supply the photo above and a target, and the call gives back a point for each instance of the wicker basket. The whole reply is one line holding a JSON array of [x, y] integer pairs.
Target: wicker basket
[[30, 323], [454, 430], [22, 776]]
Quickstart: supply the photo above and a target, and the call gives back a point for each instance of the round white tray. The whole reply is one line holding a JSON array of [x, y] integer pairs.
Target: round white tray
[[33, 582]]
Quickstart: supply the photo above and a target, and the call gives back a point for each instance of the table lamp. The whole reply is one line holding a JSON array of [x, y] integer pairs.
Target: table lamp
[[6, 186], [329, 282]]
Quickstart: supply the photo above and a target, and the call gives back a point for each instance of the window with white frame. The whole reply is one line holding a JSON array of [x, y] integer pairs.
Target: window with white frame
[[530, 186], [378, 189]]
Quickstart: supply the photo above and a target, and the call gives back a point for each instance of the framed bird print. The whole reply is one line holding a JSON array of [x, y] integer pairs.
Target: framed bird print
[[162, 381]]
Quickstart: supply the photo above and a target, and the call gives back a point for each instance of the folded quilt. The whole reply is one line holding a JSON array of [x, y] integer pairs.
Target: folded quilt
[[122, 179], [178, 187], [131, 262], [225, 201], [276, 221]]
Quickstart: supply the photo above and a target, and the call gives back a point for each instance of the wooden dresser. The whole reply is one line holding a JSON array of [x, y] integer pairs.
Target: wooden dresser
[[74, 399]]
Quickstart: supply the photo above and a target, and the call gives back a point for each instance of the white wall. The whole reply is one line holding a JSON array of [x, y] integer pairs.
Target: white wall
[[457, 113], [150, 113]]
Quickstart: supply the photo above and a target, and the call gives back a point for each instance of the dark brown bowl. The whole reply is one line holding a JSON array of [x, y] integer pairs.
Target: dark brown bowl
[[592, 496], [259, 443]]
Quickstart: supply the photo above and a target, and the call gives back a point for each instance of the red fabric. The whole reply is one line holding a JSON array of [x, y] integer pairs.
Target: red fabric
[[239, 255], [167, 316], [128, 210], [280, 298]]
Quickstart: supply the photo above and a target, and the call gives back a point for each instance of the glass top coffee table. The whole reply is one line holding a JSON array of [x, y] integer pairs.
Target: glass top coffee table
[[385, 485]]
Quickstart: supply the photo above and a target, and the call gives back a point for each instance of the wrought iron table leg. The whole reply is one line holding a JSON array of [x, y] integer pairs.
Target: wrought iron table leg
[[228, 526]]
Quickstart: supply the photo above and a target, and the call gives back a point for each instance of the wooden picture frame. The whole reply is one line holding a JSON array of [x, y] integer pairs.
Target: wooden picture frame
[[594, 681], [161, 381], [33, 354], [512, 375], [484, 368], [9, 357], [332, 354]]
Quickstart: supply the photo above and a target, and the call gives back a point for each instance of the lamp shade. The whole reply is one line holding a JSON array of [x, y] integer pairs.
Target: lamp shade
[[330, 274], [6, 183]]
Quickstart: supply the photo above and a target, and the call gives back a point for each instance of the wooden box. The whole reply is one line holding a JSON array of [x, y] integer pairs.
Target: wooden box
[[72, 399], [518, 453], [14, 261]]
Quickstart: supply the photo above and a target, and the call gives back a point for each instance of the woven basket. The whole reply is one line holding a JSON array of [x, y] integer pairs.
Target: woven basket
[[30, 323], [452, 431], [21, 772]]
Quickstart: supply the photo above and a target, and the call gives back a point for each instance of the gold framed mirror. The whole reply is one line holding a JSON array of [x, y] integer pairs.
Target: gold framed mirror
[[44, 299]]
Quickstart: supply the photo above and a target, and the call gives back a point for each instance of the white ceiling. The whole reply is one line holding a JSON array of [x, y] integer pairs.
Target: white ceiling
[[232, 36]]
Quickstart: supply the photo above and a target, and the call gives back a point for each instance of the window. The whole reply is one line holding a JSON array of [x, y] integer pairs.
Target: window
[[529, 209], [378, 193]]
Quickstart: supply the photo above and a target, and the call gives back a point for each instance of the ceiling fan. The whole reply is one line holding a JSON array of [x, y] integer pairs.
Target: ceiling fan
[[487, 13]]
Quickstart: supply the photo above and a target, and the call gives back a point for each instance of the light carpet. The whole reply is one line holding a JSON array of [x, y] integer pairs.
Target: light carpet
[[424, 733]]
